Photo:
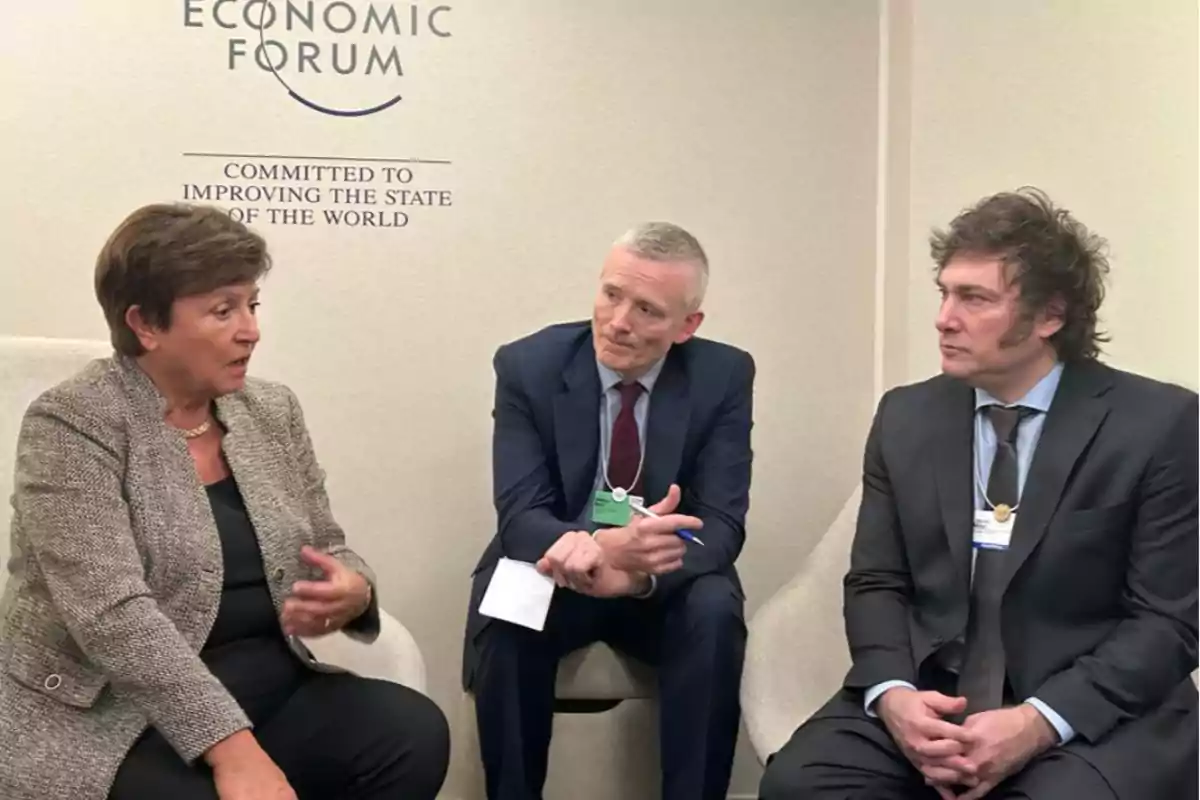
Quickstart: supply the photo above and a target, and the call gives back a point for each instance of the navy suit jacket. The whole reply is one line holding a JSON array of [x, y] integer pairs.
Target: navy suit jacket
[[546, 446]]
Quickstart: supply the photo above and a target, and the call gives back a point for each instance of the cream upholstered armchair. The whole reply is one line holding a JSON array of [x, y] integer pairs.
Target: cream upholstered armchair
[[29, 366], [796, 655], [394, 656], [607, 718], [605, 741]]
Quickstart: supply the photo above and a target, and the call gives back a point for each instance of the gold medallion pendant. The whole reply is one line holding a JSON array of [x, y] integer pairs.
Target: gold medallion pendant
[[1002, 512]]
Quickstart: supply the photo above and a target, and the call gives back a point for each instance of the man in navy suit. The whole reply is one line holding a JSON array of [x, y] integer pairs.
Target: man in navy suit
[[588, 416]]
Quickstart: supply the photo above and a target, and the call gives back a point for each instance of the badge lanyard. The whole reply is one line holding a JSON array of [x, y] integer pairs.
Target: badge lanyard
[[979, 474], [619, 493]]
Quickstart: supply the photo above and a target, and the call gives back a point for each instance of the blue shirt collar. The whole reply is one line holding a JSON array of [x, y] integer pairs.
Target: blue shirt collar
[[610, 378], [1039, 397]]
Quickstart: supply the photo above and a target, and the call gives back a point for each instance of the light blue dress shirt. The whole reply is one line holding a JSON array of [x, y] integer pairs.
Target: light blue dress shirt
[[1028, 434]]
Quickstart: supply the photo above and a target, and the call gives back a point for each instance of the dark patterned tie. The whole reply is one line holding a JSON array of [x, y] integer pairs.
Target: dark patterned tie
[[625, 449], [982, 678]]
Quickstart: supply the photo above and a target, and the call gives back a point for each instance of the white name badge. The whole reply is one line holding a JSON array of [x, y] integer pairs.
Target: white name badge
[[620, 496], [990, 533]]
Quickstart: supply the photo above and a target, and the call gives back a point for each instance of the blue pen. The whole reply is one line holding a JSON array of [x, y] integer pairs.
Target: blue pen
[[645, 512]]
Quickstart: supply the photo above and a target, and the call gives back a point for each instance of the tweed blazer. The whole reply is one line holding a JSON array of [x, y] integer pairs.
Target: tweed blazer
[[116, 573]]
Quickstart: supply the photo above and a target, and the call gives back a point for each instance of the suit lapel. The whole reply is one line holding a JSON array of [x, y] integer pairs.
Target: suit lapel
[[1075, 415], [666, 428], [577, 427], [186, 514], [952, 453], [272, 517]]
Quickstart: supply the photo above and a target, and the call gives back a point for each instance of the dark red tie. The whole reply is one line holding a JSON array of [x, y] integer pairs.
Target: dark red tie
[[625, 450]]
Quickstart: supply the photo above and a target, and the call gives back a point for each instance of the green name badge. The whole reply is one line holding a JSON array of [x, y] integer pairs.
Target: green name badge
[[607, 510]]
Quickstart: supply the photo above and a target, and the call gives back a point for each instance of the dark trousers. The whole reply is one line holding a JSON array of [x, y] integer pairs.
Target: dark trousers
[[842, 754], [336, 737], [695, 637]]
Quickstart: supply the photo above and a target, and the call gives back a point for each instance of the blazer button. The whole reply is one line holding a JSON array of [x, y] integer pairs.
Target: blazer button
[[278, 574], [52, 682]]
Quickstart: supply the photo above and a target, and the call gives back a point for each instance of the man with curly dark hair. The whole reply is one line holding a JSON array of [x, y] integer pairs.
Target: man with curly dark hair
[[1022, 595]]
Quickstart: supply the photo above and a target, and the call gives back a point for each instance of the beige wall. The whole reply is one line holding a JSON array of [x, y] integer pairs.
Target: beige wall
[[1096, 103], [753, 124]]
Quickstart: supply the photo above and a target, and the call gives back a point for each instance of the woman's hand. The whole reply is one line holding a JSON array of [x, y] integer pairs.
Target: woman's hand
[[242, 770], [319, 607]]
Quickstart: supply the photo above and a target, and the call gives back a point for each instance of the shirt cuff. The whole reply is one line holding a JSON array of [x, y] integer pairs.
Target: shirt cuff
[[876, 691], [1065, 732], [648, 592]]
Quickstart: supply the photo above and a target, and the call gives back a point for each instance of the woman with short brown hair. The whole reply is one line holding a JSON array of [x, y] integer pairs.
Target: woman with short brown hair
[[172, 539]]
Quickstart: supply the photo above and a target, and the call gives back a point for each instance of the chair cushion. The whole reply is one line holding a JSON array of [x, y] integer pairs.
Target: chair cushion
[[597, 672]]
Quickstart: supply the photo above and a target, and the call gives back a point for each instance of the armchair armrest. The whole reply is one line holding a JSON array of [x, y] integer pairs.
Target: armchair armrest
[[796, 653], [394, 656]]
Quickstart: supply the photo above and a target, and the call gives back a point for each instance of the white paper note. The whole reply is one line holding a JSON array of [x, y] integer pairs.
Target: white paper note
[[519, 594]]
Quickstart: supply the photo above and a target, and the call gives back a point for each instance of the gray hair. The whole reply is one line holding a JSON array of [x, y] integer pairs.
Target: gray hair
[[665, 242]]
